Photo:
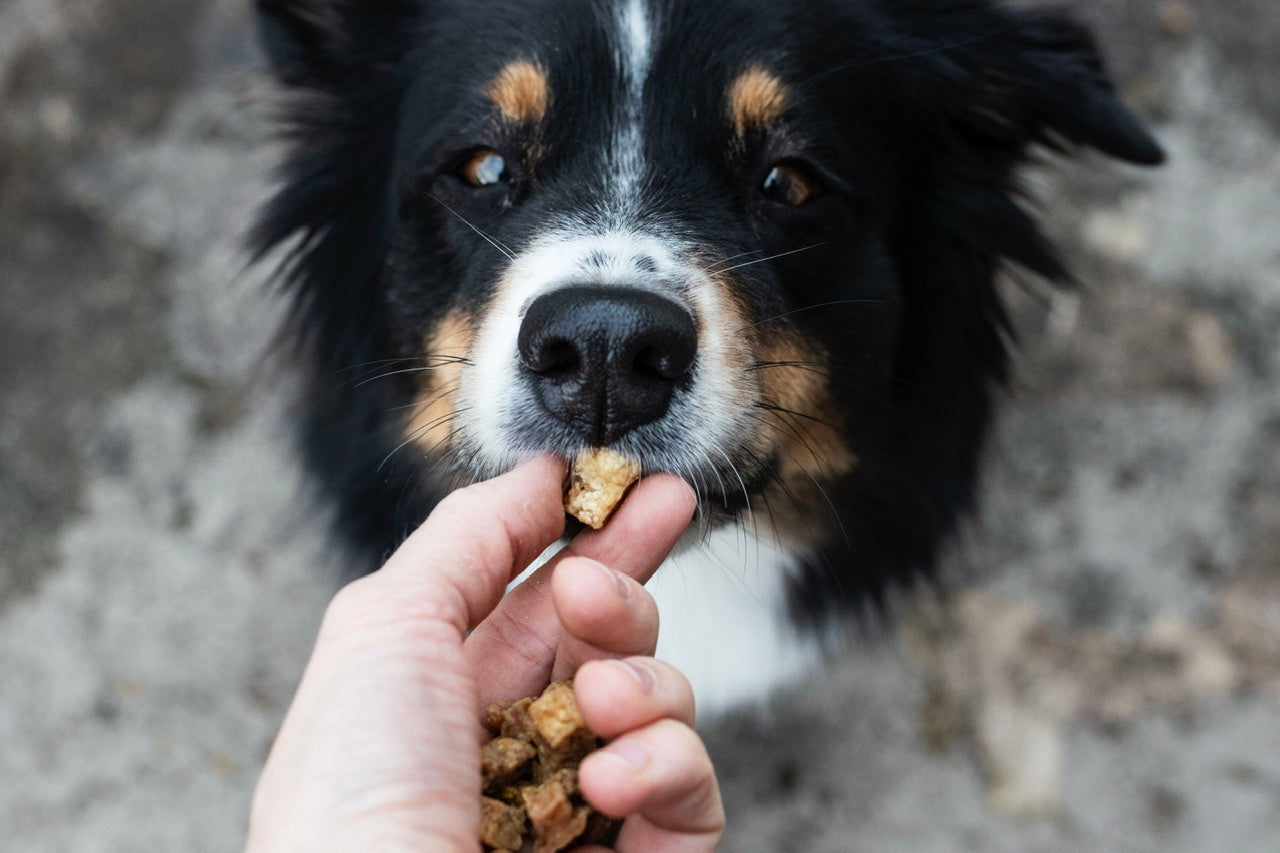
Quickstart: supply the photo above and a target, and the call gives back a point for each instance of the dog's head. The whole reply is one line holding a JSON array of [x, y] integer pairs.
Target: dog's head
[[749, 243]]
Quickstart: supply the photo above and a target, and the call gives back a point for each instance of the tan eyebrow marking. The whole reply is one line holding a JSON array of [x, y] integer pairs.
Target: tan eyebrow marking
[[757, 100], [522, 92]]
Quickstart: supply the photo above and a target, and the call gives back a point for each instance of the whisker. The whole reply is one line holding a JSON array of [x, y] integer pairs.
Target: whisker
[[812, 308], [493, 241], [442, 366], [441, 394], [770, 258], [441, 459], [415, 435], [367, 365], [746, 497], [712, 268], [806, 366], [689, 475], [835, 513], [724, 492], [782, 410]]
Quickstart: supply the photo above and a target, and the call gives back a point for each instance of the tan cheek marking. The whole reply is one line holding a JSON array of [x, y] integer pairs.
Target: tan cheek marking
[[733, 348], [521, 92], [803, 423], [757, 100], [785, 383], [431, 423]]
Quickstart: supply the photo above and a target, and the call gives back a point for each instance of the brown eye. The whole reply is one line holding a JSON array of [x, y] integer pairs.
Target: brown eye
[[485, 168], [790, 184]]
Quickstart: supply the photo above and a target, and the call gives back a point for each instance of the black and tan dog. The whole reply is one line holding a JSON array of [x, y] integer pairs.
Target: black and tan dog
[[750, 243]]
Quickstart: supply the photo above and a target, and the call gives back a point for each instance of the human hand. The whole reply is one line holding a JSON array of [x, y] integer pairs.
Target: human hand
[[380, 749]]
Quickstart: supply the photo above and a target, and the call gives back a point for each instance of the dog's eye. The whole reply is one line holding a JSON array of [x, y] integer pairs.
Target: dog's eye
[[485, 168], [790, 184]]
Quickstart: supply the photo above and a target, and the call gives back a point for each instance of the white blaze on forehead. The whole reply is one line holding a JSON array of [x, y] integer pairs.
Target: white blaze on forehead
[[635, 45]]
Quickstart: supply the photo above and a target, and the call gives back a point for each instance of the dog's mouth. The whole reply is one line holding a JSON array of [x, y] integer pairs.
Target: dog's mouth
[[727, 481]]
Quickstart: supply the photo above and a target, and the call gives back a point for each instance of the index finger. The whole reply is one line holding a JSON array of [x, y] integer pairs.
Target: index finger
[[513, 653], [476, 541]]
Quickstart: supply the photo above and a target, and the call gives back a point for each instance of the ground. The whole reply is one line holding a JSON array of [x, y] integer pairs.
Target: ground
[[1103, 671]]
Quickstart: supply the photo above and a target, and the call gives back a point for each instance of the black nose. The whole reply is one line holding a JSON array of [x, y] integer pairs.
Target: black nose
[[607, 359]]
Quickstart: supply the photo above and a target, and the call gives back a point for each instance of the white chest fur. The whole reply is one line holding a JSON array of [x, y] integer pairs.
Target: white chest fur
[[724, 619], [724, 624]]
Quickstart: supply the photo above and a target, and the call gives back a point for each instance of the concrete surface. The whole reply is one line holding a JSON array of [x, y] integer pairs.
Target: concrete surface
[[1104, 674]]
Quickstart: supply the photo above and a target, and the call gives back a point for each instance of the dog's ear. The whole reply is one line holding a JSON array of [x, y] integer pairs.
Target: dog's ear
[[1005, 81], [1037, 76], [343, 66], [279, 28], [309, 41]]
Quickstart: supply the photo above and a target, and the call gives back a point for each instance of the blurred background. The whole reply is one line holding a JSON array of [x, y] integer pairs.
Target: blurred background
[[1104, 674]]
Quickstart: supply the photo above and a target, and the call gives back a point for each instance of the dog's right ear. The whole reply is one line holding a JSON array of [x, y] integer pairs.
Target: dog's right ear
[[312, 41], [344, 64], [278, 32]]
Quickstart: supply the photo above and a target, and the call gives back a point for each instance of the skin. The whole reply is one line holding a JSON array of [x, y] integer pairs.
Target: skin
[[381, 747]]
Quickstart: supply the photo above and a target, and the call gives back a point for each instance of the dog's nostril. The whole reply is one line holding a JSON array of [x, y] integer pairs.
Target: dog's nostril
[[554, 358], [666, 360], [650, 361]]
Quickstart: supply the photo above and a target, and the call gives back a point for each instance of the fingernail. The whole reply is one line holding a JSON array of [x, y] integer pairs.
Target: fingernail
[[630, 754], [641, 674], [619, 582]]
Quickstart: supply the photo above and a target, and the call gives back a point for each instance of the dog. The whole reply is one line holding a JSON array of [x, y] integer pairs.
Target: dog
[[754, 244]]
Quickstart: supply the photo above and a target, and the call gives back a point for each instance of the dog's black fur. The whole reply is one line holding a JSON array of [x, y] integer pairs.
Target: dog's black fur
[[915, 115]]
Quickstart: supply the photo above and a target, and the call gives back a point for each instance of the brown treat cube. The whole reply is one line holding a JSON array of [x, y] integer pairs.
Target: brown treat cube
[[501, 826], [552, 762], [601, 829], [556, 716], [567, 778], [597, 482], [511, 719], [503, 759], [556, 822]]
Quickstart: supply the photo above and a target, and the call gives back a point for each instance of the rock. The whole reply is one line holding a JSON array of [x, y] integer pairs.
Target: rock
[[1177, 18], [1212, 351]]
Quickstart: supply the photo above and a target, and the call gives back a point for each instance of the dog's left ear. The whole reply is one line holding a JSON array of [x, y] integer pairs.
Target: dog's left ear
[[1037, 76]]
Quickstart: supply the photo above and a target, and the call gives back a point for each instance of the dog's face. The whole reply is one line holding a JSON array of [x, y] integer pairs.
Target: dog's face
[[612, 232], [749, 243]]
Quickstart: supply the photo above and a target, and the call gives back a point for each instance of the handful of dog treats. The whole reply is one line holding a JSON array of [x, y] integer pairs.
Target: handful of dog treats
[[530, 776], [529, 769]]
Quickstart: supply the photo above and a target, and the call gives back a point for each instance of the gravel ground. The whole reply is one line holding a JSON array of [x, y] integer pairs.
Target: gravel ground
[[1104, 672]]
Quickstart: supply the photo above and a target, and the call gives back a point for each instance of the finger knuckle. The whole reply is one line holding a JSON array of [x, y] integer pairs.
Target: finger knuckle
[[464, 502], [683, 739], [352, 603], [528, 645]]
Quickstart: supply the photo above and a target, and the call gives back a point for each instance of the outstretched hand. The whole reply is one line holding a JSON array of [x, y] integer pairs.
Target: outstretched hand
[[380, 749]]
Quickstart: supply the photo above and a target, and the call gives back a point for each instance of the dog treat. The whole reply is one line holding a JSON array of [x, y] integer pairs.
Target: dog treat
[[530, 776], [501, 826], [598, 480]]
